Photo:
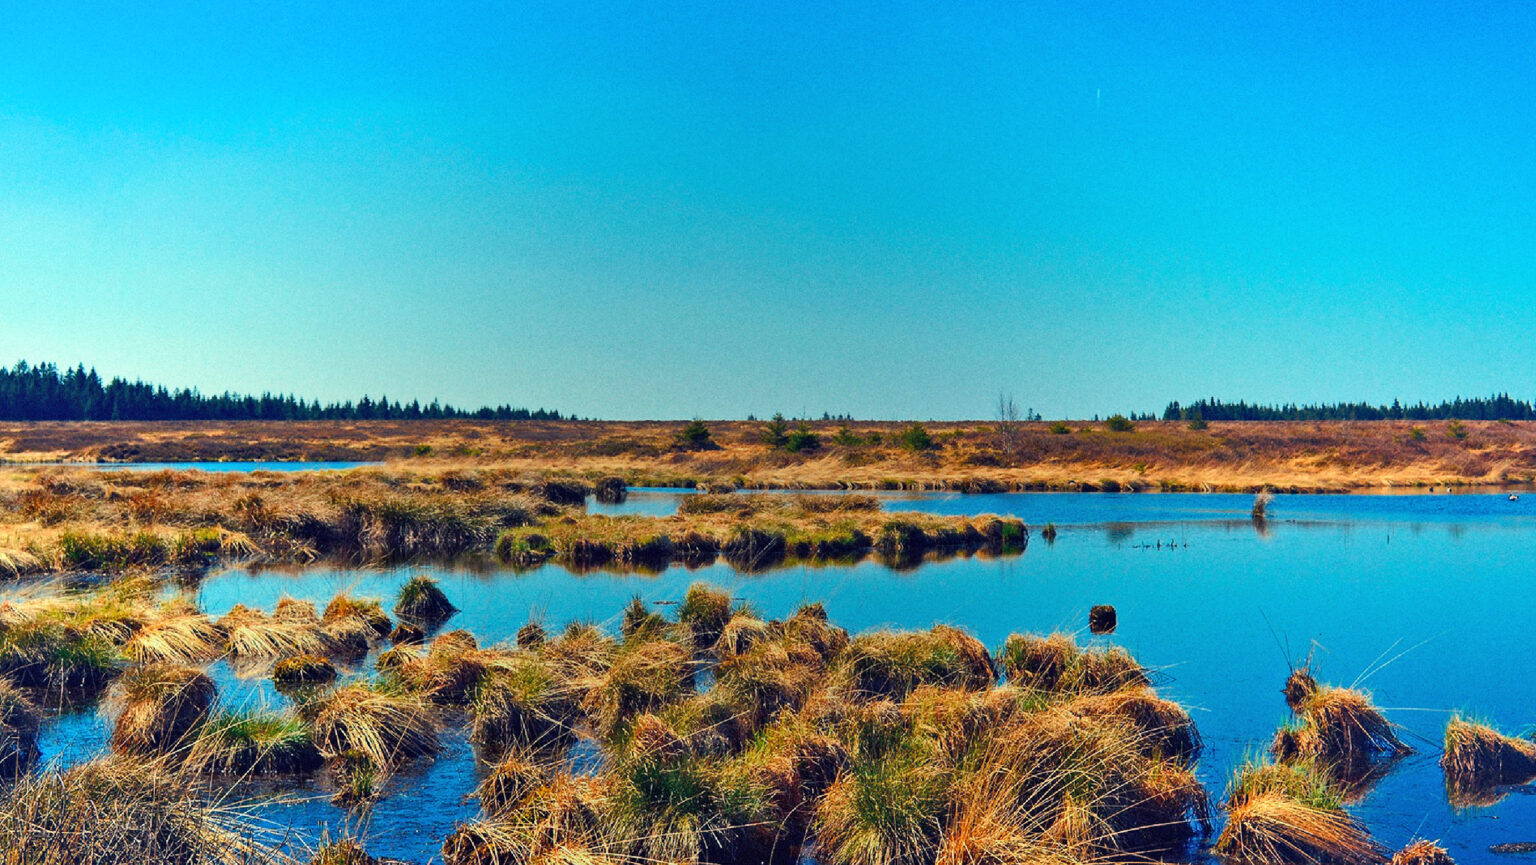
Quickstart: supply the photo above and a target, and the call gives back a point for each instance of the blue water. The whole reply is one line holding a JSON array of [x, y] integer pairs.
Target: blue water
[[1078, 508], [1423, 599], [213, 466]]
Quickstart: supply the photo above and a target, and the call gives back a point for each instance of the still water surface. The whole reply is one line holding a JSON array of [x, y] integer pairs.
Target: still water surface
[[1424, 600]]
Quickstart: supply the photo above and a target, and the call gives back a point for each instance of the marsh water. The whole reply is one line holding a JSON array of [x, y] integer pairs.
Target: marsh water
[[1423, 600]]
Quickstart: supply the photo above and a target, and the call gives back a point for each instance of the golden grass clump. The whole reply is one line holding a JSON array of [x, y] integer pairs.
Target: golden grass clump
[[1291, 815], [516, 774], [809, 627], [20, 721], [184, 637], [64, 658], [303, 671], [1166, 729], [369, 610], [1339, 729], [705, 611], [1055, 664], [531, 636], [451, 669], [250, 744], [562, 822], [122, 812], [251, 634], [293, 611], [891, 664], [159, 707], [643, 678], [739, 635], [523, 703], [885, 812], [388, 728], [1478, 760], [1423, 852]]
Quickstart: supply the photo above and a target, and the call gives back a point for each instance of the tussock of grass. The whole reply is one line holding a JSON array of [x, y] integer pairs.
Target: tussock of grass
[[182, 638], [893, 664], [1291, 815], [257, 637], [1423, 853], [1337, 728], [303, 671], [159, 708], [1478, 760], [422, 601], [58, 657], [642, 679], [1055, 664], [388, 728], [344, 607], [705, 611], [524, 704], [252, 744]]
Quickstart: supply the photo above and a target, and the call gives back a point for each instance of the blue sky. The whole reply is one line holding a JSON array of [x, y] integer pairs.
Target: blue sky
[[674, 209]]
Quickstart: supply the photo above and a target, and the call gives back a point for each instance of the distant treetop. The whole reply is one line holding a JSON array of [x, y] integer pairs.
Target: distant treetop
[[1498, 407], [42, 392]]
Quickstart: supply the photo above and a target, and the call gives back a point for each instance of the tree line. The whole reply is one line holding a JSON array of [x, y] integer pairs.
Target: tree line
[[1497, 407], [44, 392]]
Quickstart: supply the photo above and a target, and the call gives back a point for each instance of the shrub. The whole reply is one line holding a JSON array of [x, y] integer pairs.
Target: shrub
[[775, 433], [802, 439], [1198, 423], [915, 438], [1120, 423], [695, 437], [1457, 429], [1416, 434], [846, 437], [1060, 429]]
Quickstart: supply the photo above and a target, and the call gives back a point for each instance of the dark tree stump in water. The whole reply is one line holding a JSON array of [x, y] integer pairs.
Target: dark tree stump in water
[[1102, 619]]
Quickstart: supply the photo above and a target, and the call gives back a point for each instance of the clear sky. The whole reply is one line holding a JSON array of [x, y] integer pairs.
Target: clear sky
[[672, 209]]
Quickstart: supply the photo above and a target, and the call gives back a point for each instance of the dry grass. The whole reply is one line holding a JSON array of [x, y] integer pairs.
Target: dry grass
[[1290, 815], [1339, 730], [123, 812], [1243, 456], [1479, 760], [159, 708], [389, 728]]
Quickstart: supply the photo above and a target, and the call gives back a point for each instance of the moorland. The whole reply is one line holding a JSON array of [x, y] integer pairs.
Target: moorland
[[1304, 456]]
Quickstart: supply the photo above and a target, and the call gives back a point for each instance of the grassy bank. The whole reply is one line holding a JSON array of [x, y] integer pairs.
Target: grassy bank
[[60, 519], [978, 456]]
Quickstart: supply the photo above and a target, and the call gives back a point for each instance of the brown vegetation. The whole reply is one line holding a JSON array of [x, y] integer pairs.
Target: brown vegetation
[[979, 456]]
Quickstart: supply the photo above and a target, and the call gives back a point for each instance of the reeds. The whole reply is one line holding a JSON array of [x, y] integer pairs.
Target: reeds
[[122, 812], [20, 721]]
